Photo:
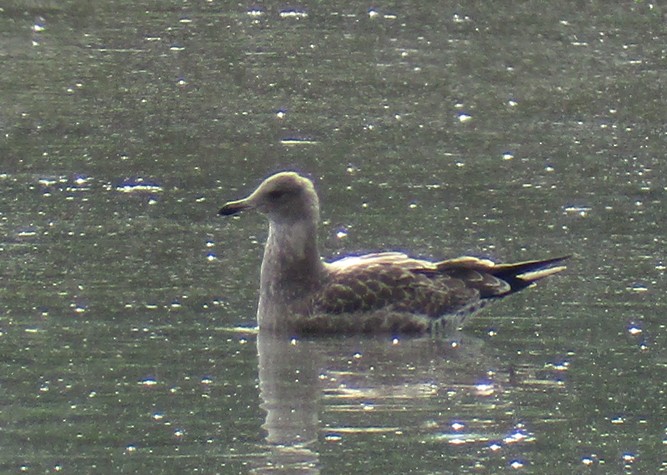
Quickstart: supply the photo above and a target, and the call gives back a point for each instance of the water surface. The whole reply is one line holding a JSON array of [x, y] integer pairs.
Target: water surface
[[513, 131]]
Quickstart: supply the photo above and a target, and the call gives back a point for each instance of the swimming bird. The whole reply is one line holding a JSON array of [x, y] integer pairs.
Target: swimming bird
[[385, 292]]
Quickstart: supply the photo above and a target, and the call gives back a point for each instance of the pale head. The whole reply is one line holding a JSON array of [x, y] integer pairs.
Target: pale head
[[284, 197]]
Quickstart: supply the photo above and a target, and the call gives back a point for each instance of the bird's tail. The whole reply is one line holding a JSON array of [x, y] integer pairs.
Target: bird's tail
[[523, 274]]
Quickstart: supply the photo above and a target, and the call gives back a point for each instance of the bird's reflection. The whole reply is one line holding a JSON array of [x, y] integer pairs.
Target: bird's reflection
[[289, 390], [296, 376]]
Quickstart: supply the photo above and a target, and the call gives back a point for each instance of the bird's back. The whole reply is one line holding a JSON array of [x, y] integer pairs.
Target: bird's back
[[393, 293]]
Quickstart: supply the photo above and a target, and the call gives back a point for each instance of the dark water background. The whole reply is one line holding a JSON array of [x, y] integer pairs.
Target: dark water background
[[513, 130]]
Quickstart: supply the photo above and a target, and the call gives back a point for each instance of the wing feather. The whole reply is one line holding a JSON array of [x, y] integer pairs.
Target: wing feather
[[397, 282]]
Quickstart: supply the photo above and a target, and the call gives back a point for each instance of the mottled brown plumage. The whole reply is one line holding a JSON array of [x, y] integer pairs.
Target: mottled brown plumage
[[376, 293]]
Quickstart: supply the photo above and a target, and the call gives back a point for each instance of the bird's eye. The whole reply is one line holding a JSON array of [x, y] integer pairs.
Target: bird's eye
[[276, 194]]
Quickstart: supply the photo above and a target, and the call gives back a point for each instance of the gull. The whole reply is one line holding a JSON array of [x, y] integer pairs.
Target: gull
[[379, 293]]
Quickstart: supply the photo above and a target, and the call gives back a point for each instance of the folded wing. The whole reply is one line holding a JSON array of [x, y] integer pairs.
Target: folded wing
[[399, 283]]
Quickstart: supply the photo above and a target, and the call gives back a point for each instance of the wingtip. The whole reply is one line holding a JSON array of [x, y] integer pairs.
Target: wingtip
[[524, 274]]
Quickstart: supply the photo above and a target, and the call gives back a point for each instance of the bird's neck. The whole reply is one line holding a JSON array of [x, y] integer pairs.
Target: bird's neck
[[291, 269]]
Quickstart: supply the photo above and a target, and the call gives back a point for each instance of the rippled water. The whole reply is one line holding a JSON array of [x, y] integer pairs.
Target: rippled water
[[513, 131]]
